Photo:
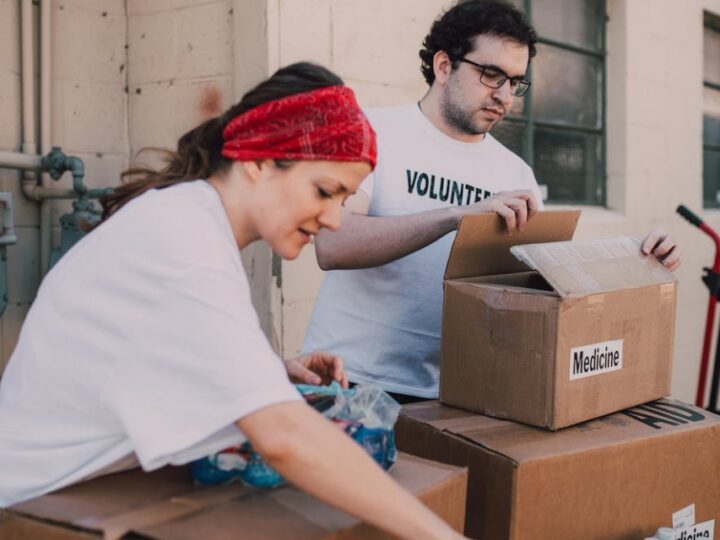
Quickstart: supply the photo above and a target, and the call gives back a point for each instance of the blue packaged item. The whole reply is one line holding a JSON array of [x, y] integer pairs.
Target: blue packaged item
[[365, 412]]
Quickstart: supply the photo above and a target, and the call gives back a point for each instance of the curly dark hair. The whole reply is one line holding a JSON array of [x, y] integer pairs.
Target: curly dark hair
[[454, 31]]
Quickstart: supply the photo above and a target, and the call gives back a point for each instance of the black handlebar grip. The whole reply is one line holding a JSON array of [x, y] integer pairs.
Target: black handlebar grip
[[689, 215]]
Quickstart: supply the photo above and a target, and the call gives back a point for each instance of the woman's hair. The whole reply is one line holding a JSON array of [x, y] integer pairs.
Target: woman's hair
[[198, 151], [456, 29]]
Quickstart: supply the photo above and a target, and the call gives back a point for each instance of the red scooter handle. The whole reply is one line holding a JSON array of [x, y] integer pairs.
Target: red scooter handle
[[709, 279], [688, 214]]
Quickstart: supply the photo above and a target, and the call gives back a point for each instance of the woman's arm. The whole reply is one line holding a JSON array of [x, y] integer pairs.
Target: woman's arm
[[318, 458]]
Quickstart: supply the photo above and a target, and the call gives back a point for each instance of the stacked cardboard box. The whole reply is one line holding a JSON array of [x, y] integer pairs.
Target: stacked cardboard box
[[552, 333], [164, 505], [620, 477], [577, 331]]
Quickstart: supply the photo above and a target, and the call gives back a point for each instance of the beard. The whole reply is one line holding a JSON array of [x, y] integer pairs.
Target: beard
[[462, 120], [460, 116]]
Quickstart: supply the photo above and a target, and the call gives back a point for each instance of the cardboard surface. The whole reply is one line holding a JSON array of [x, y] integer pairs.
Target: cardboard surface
[[589, 334], [581, 268], [619, 477], [165, 505], [482, 248]]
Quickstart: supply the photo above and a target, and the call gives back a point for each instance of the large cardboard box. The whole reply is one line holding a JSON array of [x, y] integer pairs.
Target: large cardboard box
[[164, 505], [577, 331], [619, 477]]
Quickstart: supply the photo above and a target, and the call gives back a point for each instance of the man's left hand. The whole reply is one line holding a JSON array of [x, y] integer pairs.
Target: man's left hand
[[664, 247], [317, 368]]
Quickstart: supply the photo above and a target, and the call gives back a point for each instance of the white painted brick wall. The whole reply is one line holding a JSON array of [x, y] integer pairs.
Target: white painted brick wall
[[180, 53], [161, 112], [89, 118]]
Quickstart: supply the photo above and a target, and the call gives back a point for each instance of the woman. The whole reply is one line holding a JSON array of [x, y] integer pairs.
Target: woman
[[142, 345]]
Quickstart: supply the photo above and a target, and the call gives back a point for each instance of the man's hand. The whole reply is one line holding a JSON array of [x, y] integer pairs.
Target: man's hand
[[664, 247], [316, 368], [515, 207]]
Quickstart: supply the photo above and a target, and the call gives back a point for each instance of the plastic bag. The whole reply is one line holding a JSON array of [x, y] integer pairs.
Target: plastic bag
[[365, 412]]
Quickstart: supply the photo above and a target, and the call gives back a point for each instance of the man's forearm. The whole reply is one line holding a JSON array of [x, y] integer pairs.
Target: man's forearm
[[367, 241]]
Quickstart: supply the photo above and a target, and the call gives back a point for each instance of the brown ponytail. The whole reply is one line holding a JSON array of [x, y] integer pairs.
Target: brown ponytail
[[198, 151]]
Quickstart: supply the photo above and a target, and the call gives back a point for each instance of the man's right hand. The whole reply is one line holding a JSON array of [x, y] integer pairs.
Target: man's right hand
[[515, 207]]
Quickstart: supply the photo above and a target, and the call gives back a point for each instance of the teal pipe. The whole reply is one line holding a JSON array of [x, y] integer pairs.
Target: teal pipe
[[56, 163], [73, 225]]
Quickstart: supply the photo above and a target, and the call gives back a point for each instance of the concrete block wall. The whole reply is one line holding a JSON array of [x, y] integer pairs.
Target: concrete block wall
[[88, 120], [125, 75], [23, 272], [180, 68], [89, 103]]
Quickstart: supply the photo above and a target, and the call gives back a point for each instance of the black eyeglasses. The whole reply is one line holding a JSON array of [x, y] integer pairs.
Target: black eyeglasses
[[494, 77]]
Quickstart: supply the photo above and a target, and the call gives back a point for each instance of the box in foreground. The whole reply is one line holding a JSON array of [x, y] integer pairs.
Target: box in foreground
[[165, 505], [619, 477]]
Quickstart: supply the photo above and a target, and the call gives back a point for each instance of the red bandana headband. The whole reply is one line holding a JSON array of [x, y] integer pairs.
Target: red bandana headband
[[323, 124]]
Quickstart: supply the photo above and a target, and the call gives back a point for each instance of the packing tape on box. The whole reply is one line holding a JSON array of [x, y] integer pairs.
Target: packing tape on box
[[117, 526], [306, 507]]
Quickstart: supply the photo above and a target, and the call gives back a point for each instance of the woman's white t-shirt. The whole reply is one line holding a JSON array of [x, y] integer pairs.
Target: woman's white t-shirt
[[142, 343]]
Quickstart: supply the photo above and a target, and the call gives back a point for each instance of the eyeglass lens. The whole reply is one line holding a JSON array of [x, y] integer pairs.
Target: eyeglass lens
[[495, 79]]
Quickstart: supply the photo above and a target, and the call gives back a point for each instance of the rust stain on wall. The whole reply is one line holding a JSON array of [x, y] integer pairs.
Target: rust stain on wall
[[210, 102]]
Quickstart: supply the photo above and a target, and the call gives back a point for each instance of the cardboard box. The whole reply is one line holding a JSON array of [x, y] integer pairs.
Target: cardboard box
[[619, 477], [586, 331], [165, 505]]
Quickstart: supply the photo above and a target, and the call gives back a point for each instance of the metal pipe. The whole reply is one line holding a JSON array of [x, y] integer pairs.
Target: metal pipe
[[35, 192], [77, 169], [45, 133], [18, 160], [42, 194], [29, 145], [45, 94]]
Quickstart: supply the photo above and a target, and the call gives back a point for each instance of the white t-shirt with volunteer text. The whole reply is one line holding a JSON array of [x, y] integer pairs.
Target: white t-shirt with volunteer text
[[142, 344], [385, 321]]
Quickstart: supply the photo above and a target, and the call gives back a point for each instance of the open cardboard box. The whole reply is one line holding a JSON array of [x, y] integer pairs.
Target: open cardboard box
[[620, 477], [578, 330], [165, 505]]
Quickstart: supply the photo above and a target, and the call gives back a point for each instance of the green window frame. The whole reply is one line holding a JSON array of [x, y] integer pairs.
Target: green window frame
[[567, 154], [711, 111]]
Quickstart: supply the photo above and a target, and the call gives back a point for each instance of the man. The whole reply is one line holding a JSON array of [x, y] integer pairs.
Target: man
[[436, 163]]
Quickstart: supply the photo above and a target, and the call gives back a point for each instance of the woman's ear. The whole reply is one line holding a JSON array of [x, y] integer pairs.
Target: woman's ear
[[253, 169]]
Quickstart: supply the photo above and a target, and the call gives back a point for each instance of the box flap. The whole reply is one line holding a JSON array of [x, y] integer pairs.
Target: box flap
[[165, 504], [522, 443], [481, 245], [291, 514], [593, 266], [132, 490]]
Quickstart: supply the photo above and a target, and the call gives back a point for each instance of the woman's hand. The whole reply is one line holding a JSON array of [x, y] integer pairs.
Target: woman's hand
[[316, 368]]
